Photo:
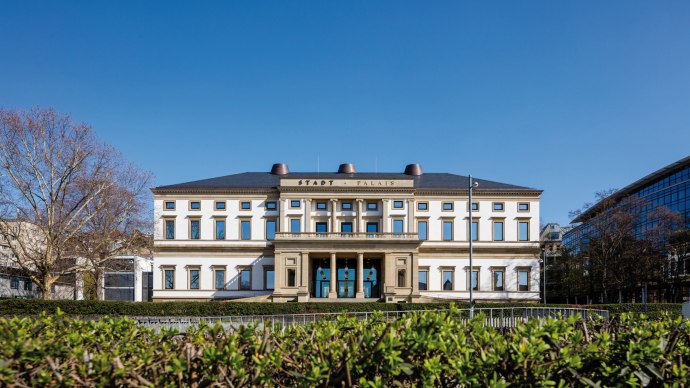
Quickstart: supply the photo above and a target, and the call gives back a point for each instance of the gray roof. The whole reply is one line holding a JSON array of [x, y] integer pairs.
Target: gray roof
[[265, 180]]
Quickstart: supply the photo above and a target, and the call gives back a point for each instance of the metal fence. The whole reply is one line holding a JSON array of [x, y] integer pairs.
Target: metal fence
[[497, 317]]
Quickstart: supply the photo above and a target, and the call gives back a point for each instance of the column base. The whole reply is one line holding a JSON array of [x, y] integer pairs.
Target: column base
[[332, 295], [359, 295]]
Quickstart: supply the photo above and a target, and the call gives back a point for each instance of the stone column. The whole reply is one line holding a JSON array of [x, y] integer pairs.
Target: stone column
[[334, 224], [411, 224], [360, 276], [332, 294], [282, 221], [278, 274], [307, 215], [415, 274], [360, 227], [384, 219]]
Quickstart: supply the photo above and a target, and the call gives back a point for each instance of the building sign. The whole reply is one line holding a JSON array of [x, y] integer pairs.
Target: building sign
[[352, 183]]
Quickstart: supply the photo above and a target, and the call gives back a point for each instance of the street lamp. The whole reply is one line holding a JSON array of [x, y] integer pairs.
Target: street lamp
[[470, 186]]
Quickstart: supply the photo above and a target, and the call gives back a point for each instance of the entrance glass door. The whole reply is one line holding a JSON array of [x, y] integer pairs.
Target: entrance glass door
[[321, 276], [372, 287], [347, 274]]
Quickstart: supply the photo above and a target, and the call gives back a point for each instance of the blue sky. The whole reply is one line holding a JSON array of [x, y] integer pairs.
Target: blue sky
[[569, 97]]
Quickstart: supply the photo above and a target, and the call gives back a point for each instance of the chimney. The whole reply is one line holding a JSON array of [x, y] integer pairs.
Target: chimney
[[347, 168], [413, 169], [280, 169]]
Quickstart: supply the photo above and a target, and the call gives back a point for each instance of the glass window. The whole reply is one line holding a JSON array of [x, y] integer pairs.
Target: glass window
[[270, 230], [220, 229], [195, 205], [372, 205], [194, 227], [125, 279], [295, 225], [220, 279], [193, 279], [169, 279], [498, 206], [321, 227], [475, 230], [346, 227], [246, 230], [447, 280], [271, 205], [14, 283], [447, 230], [245, 205], [498, 280], [422, 230], [397, 204], [498, 231], [169, 205], [28, 285], [523, 207], [346, 206], [220, 205], [269, 279], [397, 226], [169, 229], [423, 280], [291, 272], [372, 227], [295, 203], [401, 278], [474, 280], [523, 280], [246, 279], [448, 206], [422, 206], [475, 206], [523, 230], [321, 205]]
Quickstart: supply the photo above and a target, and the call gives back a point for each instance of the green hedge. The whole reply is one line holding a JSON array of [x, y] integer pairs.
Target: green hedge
[[418, 350], [84, 308]]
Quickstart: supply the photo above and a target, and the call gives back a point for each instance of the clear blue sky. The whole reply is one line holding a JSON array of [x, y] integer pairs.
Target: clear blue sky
[[569, 97]]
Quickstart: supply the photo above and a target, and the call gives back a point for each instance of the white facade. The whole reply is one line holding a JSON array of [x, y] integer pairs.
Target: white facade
[[345, 238]]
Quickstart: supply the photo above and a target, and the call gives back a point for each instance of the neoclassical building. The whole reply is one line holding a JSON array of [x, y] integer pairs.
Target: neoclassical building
[[305, 236]]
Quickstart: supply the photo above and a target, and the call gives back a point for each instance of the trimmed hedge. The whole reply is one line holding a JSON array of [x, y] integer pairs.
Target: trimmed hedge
[[34, 307], [416, 350]]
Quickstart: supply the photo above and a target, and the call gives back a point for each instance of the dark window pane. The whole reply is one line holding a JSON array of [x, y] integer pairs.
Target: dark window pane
[[447, 231], [397, 204], [170, 205], [245, 279], [372, 227], [220, 205], [270, 230], [372, 205], [170, 230], [523, 206], [423, 280], [295, 226], [220, 279], [271, 206], [498, 206], [220, 230], [347, 206], [126, 294], [475, 206], [246, 230], [475, 230], [246, 205], [401, 278], [422, 230], [346, 227], [195, 229], [474, 280], [125, 279], [447, 206], [169, 279], [422, 206], [270, 279], [295, 203], [523, 281], [397, 226], [524, 231], [498, 231], [195, 205], [498, 280], [194, 279], [290, 277], [321, 206], [321, 227], [447, 280]]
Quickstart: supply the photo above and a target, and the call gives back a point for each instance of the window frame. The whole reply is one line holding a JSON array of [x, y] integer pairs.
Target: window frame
[[275, 228], [519, 232], [473, 209], [320, 203], [191, 205], [443, 206], [192, 220], [502, 204], [471, 224], [189, 277], [342, 206], [469, 277], [452, 229], [523, 203], [216, 269], [287, 277], [424, 270], [269, 268], [165, 228], [165, 205], [248, 203], [164, 271], [322, 223], [274, 205], [503, 230], [298, 219], [452, 277], [425, 203], [240, 270], [396, 202], [292, 204], [528, 270], [224, 207], [398, 279], [401, 222], [426, 235], [352, 227], [495, 270], [242, 221], [375, 207], [215, 228]]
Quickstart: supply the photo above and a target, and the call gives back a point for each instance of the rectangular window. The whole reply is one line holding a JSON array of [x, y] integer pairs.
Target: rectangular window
[[523, 207], [372, 206], [194, 229], [270, 230], [423, 206], [220, 229], [498, 280], [447, 230], [169, 229], [398, 226], [397, 204], [475, 206], [193, 279], [246, 227], [195, 205], [346, 227], [269, 278], [346, 206], [474, 230], [447, 279], [448, 206], [523, 231], [220, 205], [246, 279], [498, 230], [523, 280], [295, 225], [14, 283], [220, 279], [498, 206], [28, 285], [423, 280], [169, 205], [295, 203], [474, 280], [271, 205], [245, 205], [169, 279], [321, 227], [291, 277], [321, 205], [401, 277], [422, 231], [372, 227]]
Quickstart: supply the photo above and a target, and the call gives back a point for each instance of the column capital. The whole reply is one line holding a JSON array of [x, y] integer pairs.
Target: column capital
[[308, 199], [359, 199], [360, 253]]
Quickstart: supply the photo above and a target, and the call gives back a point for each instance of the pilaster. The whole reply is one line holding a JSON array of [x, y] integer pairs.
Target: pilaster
[[334, 276], [360, 276]]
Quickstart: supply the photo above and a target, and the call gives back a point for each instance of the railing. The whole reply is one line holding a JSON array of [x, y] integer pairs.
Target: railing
[[345, 236], [496, 317]]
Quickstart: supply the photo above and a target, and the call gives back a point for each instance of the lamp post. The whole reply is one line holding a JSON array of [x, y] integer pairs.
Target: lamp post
[[471, 185]]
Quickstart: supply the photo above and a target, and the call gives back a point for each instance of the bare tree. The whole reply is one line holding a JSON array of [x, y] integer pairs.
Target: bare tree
[[55, 176]]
